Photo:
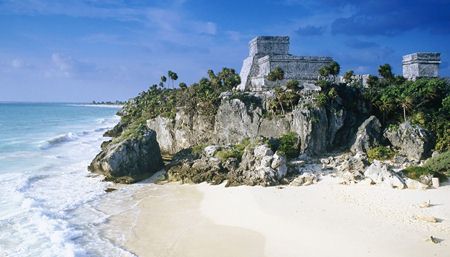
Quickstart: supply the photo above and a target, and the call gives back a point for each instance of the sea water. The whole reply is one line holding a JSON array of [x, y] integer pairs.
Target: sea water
[[46, 191]]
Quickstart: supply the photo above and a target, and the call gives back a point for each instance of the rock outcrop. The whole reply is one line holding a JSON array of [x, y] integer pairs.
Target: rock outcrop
[[380, 173], [129, 160], [412, 141], [368, 136], [247, 117], [257, 166]]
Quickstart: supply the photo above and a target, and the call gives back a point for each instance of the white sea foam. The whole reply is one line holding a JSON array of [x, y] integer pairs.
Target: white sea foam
[[45, 210]]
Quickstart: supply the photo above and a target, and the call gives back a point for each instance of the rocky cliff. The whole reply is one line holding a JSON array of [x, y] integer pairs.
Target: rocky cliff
[[296, 122], [246, 115]]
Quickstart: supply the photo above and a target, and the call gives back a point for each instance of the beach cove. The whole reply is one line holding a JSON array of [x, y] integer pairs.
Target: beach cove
[[326, 219]]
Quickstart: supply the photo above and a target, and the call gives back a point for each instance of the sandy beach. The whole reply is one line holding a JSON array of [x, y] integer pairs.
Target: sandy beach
[[326, 219]]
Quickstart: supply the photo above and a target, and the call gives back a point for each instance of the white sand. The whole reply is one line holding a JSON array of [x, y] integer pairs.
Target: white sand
[[326, 219]]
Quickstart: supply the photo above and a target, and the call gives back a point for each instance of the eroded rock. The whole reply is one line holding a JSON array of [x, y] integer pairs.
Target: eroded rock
[[412, 141], [380, 173], [129, 160], [368, 135]]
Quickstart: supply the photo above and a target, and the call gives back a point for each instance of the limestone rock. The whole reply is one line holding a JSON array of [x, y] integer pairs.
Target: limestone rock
[[259, 166], [414, 184], [279, 164], [197, 171], [380, 173], [211, 150], [129, 160], [412, 141], [368, 135], [262, 151], [305, 179], [349, 167]]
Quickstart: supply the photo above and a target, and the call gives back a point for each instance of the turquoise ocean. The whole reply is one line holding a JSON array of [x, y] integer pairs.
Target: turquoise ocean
[[48, 199]]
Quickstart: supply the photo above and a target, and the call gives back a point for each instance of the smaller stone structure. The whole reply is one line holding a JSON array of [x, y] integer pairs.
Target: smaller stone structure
[[268, 52], [418, 65]]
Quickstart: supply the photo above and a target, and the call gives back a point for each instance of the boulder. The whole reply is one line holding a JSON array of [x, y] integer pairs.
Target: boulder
[[197, 171], [380, 173], [279, 164], [368, 135], [412, 141], [130, 159], [259, 166], [349, 167], [305, 179]]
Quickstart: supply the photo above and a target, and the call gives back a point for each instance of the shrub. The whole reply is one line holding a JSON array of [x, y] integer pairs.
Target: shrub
[[293, 85], [225, 154], [236, 151], [380, 153], [415, 172], [321, 99], [276, 74], [198, 149], [440, 163], [288, 144]]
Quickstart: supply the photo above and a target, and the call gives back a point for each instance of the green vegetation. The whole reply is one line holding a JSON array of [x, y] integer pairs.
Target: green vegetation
[[438, 167], [380, 153], [236, 151], [158, 100], [331, 69], [293, 85], [198, 149], [415, 172], [424, 102], [440, 163], [284, 101], [276, 74], [287, 144]]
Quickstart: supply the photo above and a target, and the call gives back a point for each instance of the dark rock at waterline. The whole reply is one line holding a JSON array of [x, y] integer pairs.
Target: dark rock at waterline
[[129, 160], [116, 130]]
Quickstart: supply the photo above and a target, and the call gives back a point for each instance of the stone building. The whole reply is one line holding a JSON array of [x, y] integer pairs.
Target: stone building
[[418, 65], [267, 53]]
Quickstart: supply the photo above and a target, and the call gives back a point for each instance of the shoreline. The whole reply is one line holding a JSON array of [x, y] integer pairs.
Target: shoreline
[[320, 220]]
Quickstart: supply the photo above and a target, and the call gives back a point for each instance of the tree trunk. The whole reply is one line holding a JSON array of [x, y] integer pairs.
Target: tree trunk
[[404, 113]]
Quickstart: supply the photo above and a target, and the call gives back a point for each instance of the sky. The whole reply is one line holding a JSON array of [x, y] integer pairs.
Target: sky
[[85, 50]]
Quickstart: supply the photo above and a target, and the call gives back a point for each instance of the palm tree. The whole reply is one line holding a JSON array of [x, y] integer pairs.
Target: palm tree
[[406, 103], [280, 98], [385, 71], [173, 77], [385, 105]]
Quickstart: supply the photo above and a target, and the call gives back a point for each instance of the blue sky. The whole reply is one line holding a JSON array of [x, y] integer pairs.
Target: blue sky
[[106, 50]]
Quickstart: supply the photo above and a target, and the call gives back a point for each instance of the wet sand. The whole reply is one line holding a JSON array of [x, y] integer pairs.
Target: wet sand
[[169, 223]]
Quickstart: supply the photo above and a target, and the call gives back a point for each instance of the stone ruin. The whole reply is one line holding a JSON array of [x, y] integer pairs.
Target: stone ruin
[[418, 65], [267, 53]]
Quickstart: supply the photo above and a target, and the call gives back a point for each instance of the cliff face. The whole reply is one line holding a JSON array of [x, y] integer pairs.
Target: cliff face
[[237, 119]]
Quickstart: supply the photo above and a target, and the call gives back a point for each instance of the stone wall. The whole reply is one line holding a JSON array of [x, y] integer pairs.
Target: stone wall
[[267, 45], [267, 53], [421, 65]]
